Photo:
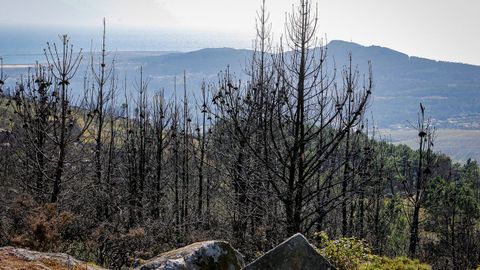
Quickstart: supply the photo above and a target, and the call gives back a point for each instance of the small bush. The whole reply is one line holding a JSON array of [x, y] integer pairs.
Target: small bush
[[115, 248], [345, 253], [45, 229], [350, 253]]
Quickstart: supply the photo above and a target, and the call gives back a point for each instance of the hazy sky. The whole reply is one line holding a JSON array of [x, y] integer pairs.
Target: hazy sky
[[437, 29]]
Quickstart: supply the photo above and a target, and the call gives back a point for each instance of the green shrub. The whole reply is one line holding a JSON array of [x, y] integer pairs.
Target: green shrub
[[350, 253], [399, 263], [345, 253]]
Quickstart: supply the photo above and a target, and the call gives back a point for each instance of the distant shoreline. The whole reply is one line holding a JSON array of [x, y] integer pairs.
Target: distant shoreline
[[10, 66]]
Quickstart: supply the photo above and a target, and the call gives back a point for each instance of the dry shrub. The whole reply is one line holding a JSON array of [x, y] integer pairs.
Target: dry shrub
[[19, 210], [116, 248], [44, 228]]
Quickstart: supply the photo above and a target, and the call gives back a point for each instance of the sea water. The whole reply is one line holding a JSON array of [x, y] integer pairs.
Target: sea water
[[25, 45]]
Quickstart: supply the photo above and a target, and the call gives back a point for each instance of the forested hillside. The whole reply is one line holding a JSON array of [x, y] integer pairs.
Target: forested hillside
[[285, 147]]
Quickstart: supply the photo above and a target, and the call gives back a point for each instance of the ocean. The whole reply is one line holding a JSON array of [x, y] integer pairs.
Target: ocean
[[25, 45]]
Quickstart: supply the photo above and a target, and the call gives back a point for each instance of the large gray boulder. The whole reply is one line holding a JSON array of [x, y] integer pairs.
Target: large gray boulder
[[295, 253], [208, 255]]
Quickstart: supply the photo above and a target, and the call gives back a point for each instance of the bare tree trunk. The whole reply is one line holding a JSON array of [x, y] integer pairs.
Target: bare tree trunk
[[66, 66]]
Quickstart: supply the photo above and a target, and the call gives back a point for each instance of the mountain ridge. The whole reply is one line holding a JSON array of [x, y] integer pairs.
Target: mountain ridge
[[448, 89]]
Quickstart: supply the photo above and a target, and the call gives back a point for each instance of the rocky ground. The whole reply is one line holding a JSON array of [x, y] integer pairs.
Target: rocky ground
[[12, 258]]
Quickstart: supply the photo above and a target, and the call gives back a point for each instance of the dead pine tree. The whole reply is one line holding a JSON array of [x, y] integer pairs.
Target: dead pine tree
[[308, 107], [139, 147], [33, 104], [112, 161], [415, 189], [186, 145], [175, 133], [161, 120], [203, 139], [235, 127], [261, 73], [350, 77], [304, 124], [136, 156], [102, 94], [129, 158], [64, 63]]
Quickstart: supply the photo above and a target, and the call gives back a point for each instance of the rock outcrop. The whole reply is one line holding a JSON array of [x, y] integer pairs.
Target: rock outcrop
[[21, 259], [295, 253], [208, 255]]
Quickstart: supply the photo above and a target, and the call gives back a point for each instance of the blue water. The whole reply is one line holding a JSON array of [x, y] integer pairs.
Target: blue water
[[22, 45]]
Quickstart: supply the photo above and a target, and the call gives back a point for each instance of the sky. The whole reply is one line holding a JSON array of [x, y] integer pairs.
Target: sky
[[436, 29]]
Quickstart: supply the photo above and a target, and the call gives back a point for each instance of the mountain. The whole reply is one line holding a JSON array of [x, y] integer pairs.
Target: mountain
[[206, 61], [450, 91]]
